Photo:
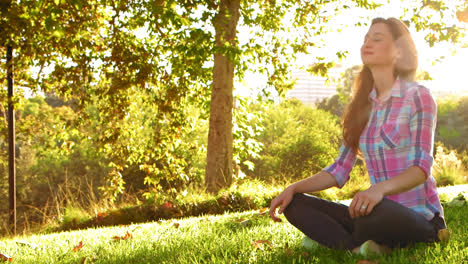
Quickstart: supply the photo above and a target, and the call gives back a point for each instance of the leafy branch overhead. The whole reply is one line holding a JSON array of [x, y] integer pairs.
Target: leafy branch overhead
[[111, 57]]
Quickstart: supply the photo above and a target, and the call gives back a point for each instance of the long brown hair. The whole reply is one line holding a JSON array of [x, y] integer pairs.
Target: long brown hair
[[357, 112]]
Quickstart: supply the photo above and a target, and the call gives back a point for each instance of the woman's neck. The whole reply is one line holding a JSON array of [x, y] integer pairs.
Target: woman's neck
[[383, 80]]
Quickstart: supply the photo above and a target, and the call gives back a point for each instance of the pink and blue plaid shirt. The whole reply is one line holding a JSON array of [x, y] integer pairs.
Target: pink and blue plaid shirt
[[398, 135]]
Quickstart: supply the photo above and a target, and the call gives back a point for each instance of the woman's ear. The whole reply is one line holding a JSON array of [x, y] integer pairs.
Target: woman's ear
[[406, 56], [396, 55]]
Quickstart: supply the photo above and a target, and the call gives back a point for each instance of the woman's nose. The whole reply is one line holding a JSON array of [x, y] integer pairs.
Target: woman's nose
[[366, 43]]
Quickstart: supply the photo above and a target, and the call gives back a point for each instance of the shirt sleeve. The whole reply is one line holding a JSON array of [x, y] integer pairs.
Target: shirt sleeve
[[422, 125], [342, 166]]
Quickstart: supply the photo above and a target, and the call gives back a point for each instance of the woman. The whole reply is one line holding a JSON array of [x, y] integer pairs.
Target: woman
[[390, 122]]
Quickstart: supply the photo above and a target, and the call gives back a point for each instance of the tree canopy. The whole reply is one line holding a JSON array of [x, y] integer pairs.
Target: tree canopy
[[162, 55]]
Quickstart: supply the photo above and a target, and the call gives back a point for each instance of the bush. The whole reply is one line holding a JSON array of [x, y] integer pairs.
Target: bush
[[452, 123], [298, 141], [448, 169]]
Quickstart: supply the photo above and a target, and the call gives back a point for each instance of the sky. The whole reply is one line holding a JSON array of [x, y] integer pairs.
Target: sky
[[445, 62]]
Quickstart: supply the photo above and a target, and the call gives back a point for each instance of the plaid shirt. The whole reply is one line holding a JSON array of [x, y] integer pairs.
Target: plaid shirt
[[398, 135]]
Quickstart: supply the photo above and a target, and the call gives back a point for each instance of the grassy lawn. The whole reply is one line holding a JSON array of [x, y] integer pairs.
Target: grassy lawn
[[248, 237]]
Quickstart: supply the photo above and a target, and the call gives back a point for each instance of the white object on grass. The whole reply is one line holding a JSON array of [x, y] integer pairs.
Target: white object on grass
[[309, 244]]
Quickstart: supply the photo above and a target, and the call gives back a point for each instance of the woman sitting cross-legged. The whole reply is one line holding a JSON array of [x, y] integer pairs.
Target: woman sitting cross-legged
[[390, 122]]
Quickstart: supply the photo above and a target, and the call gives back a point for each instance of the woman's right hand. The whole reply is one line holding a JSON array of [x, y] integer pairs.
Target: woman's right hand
[[282, 201]]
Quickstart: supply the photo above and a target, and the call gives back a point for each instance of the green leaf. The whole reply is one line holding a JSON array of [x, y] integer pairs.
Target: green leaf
[[249, 165], [77, 4], [49, 23], [58, 33]]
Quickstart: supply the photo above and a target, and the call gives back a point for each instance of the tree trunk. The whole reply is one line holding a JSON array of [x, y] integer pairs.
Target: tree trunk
[[219, 153]]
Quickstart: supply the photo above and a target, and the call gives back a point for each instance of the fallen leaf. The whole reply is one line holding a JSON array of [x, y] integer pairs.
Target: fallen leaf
[[262, 211], [176, 225], [125, 237], [77, 248], [128, 235], [258, 243], [4, 257]]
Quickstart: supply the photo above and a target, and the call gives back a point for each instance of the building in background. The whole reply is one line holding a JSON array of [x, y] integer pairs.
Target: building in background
[[310, 89]]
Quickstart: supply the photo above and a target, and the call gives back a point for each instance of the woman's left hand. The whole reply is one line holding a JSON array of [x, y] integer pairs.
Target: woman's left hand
[[364, 202]]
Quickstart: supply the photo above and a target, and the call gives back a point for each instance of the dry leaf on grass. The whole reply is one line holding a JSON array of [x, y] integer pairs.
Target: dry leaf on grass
[[78, 247], [4, 257], [258, 244], [125, 237]]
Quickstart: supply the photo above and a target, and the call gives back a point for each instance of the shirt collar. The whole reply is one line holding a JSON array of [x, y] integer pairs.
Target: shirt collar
[[398, 90]]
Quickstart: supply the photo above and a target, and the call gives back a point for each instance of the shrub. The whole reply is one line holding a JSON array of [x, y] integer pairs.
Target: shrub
[[452, 116], [298, 141], [448, 169]]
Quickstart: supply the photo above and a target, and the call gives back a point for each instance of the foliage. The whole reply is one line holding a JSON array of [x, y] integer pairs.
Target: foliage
[[92, 55], [105, 51], [448, 169], [298, 141], [54, 155], [247, 127], [452, 123], [124, 76]]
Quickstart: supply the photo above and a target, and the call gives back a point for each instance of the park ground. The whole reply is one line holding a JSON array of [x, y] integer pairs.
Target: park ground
[[242, 237]]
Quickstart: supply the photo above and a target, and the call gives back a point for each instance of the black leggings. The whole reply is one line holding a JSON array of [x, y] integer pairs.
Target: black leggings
[[389, 223]]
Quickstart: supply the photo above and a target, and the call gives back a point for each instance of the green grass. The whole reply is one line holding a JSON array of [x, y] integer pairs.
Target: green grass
[[215, 239]]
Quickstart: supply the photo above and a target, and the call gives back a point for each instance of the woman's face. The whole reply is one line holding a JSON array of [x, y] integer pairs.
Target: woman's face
[[378, 48]]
